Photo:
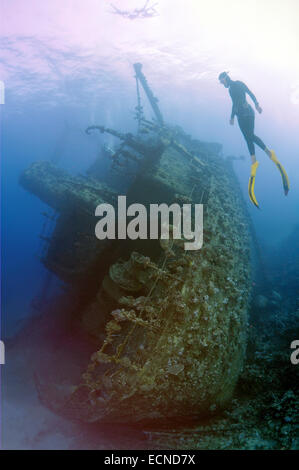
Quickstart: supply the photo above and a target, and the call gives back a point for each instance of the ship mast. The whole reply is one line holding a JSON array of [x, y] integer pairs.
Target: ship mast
[[152, 99]]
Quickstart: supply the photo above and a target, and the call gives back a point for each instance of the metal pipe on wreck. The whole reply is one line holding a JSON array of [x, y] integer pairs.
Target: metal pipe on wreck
[[152, 99]]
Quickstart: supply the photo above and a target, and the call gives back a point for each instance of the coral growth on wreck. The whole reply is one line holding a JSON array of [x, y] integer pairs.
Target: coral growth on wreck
[[175, 345]]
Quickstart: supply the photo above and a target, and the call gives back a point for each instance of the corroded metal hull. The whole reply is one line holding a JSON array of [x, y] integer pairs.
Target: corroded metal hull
[[174, 321], [175, 346], [168, 325]]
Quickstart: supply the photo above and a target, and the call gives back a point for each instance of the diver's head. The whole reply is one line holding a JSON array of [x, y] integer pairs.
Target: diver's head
[[224, 79]]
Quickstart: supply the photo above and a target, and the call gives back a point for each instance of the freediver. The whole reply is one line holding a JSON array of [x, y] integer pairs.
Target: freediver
[[245, 115], [144, 12]]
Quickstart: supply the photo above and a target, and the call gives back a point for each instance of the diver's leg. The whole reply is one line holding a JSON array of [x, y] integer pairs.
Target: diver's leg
[[259, 141], [246, 125], [261, 144], [272, 156]]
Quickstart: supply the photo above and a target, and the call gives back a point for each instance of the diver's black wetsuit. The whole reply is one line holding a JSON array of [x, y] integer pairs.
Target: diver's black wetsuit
[[244, 113]]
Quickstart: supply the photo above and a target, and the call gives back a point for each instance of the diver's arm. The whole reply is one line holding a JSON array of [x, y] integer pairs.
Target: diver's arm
[[252, 96], [232, 116], [232, 95]]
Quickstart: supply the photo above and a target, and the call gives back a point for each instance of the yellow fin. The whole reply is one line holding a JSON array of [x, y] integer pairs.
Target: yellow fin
[[283, 173], [251, 184]]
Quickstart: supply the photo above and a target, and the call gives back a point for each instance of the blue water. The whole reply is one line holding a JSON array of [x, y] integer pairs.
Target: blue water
[[31, 133]]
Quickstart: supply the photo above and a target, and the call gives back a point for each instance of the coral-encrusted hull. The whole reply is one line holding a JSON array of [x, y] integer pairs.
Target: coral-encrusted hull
[[174, 321], [175, 345]]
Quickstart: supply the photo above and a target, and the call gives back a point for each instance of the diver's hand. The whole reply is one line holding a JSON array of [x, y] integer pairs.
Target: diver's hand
[[258, 108], [231, 121]]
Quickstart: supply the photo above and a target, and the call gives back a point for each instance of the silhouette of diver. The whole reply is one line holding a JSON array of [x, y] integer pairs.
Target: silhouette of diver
[[245, 115], [144, 12]]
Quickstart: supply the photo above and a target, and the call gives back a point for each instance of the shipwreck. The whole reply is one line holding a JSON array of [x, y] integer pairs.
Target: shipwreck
[[168, 325]]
